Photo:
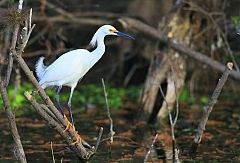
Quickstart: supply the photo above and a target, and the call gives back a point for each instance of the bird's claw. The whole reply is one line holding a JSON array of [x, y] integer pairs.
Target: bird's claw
[[68, 124], [79, 139]]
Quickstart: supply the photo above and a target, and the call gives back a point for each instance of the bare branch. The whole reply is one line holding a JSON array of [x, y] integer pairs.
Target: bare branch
[[12, 124], [27, 32], [89, 21], [207, 109], [209, 15], [26, 39], [20, 6], [176, 94], [10, 58], [165, 100], [30, 18], [177, 105], [78, 148], [151, 147], [108, 112], [152, 32], [175, 151], [46, 109], [99, 138], [52, 153]]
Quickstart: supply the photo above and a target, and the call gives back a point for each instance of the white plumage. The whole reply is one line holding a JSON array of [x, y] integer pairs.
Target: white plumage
[[66, 70], [40, 68], [69, 68]]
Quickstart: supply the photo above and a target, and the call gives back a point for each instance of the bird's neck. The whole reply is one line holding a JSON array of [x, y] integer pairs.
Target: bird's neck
[[100, 49]]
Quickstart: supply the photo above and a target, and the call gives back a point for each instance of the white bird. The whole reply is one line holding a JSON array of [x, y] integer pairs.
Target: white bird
[[69, 68]]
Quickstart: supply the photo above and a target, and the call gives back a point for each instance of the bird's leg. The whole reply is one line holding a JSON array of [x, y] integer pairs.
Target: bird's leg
[[69, 107], [57, 99]]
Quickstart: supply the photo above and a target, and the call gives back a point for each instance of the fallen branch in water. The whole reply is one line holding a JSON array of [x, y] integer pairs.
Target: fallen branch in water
[[207, 109]]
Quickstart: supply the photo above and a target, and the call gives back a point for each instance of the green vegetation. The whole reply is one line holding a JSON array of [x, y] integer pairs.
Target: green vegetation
[[186, 98], [235, 20], [90, 93], [93, 94]]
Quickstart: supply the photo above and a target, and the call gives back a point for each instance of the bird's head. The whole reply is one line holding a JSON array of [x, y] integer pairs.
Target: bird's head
[[107, 30], [110, 30]]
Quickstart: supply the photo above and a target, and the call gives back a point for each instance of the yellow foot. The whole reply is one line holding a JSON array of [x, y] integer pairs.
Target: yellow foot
[[79, 139], [68, 124]]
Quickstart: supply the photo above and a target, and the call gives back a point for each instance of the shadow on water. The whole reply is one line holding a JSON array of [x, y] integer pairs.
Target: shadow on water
[[220, 143]]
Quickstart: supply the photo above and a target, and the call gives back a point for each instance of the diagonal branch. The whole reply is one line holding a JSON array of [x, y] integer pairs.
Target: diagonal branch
[[150, 149], [207, 109], [152, 32], [79, 149]]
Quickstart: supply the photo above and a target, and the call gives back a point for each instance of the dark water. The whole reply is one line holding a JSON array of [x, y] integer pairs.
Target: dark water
[[220, 142]]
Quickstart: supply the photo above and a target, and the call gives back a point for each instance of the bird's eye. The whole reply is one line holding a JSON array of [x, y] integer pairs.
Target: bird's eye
[[112, 30]]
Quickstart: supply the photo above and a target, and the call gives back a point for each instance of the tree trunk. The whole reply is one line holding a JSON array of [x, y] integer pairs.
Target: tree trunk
[[156, 74], [170, 68]]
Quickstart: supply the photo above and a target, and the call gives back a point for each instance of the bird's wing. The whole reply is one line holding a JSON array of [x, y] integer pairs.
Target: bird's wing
[[66, 66]]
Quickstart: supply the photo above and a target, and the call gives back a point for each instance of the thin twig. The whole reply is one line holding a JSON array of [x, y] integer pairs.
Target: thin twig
[[171, 124], [165, 100], [10, 57], [20, 6], [108, 112], [175, 157], [27, 30], [151, 147], [175, 150], [208, 108], [99, 138], [30, 19], [177, 104], [176, 95], [52, 153], [27, 37]]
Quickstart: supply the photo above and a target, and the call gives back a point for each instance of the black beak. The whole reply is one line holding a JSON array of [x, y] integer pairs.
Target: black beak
[[124, 35]]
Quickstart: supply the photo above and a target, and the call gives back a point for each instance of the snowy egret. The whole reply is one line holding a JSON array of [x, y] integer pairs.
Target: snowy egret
[[69, 68]]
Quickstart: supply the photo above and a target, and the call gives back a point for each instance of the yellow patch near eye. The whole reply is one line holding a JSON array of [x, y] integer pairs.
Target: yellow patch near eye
[[112, 30]]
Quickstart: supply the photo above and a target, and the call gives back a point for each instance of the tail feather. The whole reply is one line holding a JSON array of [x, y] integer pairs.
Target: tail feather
[[40, 68]]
